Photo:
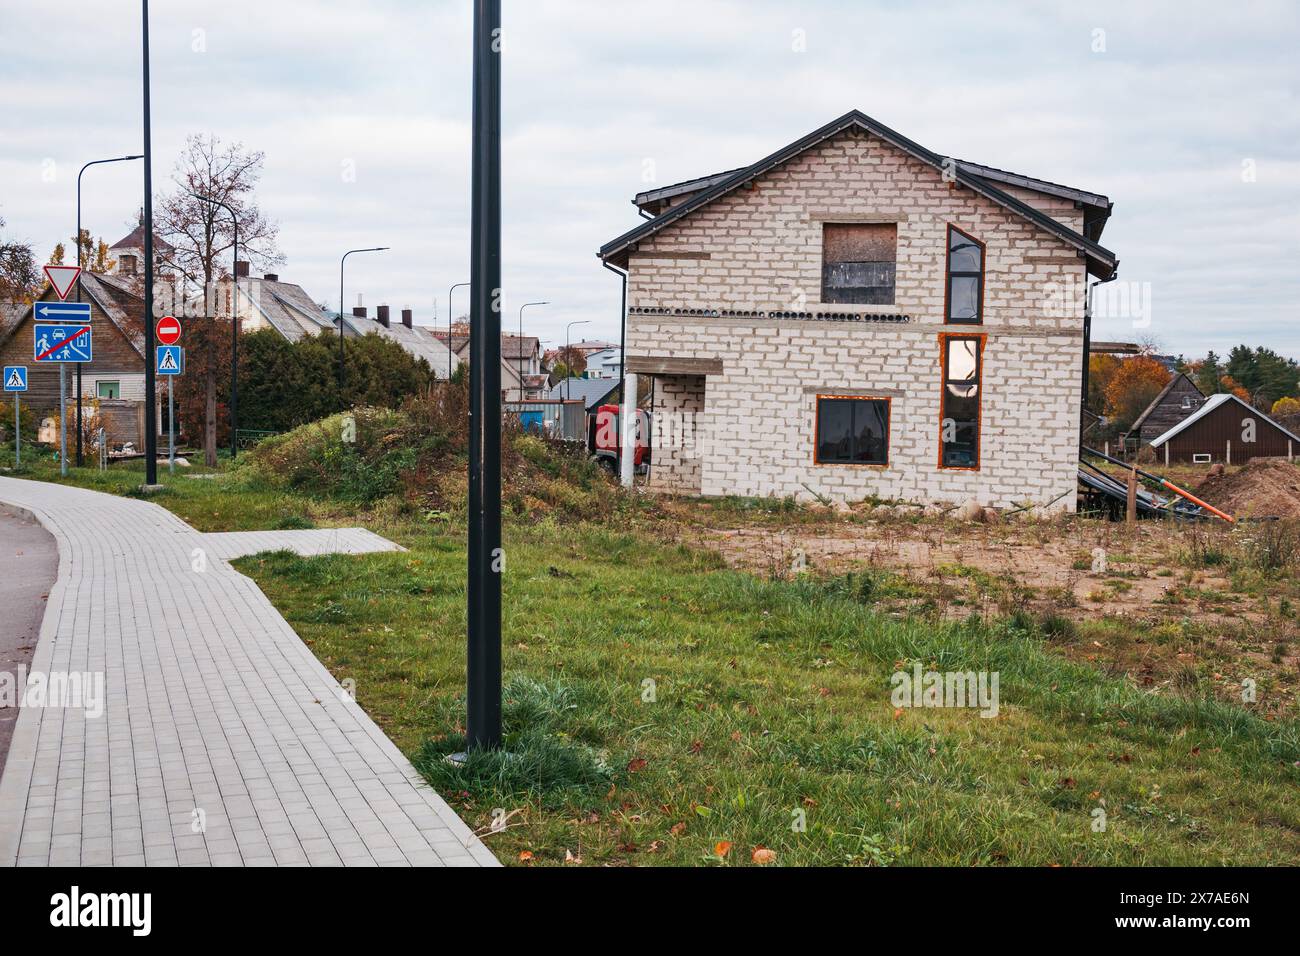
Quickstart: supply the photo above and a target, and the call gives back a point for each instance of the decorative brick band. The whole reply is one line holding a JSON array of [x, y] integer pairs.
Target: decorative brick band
[[747, 314]]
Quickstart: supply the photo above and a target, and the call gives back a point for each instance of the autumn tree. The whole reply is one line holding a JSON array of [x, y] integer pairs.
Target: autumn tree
[[1134, 386], [19, 276], [1101, 370], [201, 235], [92, 254], [1285, 406]]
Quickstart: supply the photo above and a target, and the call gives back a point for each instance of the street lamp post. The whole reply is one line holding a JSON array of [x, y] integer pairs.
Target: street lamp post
[[486, 561], [341, 262], [521, 345], [458, 285], [94, 162], [568, 372], [150, 377], [234, 331]]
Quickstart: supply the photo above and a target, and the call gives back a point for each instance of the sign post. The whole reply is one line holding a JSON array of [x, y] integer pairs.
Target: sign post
[[15, 380], [61, 333], [169, 360]]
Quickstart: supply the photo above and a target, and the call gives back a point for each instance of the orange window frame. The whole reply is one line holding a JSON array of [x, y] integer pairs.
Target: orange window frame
[[947, 274], [980, 339], [889, 430]]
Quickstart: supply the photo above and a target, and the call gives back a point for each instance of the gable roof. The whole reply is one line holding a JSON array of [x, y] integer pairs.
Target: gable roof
[[1213, 402], [286, 306], [1164, 393], [135, 240], [1101, 261], [592, 391], [116, 297]]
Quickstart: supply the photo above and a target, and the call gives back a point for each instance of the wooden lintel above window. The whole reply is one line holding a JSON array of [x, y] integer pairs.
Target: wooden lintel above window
[[672, 365]]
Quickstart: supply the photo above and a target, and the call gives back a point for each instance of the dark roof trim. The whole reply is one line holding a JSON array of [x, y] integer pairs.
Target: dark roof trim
[[1101, 261], [1038, 185], [678, 189]]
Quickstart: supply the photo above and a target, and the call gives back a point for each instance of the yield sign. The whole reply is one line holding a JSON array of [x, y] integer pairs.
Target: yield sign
[[168, 330], [62, 277]]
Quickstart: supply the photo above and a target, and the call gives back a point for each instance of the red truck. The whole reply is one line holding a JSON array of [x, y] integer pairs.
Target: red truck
[[604, 439]]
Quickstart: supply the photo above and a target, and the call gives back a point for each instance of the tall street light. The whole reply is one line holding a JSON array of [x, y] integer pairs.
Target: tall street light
[[521, 345], [486, 561], [93, 162], [234, 330], [568, 357], [458, 285], [150, 379], [341, 262]]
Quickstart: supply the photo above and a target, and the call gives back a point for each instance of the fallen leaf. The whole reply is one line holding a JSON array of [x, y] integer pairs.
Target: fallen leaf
[[722, 848], [570, 858], [635, 764], [525, 856], [763, 856], [677, 829], [696, 746]]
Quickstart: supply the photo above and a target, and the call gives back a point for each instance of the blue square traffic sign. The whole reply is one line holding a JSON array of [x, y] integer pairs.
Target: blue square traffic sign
[[169, 360], [61, 332], [15, 378]]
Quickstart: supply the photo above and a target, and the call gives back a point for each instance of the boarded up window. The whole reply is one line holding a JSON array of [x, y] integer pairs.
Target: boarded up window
[[858, 261]]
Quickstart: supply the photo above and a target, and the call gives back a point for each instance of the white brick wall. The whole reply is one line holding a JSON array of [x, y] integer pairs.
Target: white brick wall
[[763, 253]]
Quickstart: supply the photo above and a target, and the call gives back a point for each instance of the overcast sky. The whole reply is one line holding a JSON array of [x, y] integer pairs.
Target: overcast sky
[[1184, 114]]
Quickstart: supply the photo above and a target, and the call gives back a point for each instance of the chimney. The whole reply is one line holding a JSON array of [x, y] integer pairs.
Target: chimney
[[359, 312], [241, 269], [406, 318], [381, 315], [271, 277]]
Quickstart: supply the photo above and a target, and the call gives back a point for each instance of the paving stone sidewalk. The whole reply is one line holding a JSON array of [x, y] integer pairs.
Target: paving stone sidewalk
[[214, 711]]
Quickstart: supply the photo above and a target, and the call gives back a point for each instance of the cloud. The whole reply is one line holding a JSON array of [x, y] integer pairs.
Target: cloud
[[1160, 121]]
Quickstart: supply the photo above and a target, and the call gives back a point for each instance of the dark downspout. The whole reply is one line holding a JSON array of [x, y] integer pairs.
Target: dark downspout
[[622, 335], [1087, 349]]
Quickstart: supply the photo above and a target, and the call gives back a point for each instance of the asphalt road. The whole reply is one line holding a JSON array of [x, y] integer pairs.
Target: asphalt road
[[29, 560]]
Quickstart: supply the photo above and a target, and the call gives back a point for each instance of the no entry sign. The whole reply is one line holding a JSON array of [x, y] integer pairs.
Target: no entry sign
[[168, 330]]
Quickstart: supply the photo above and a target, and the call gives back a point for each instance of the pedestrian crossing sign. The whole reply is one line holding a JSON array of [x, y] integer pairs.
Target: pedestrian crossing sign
[[170, 360], [15, 378]]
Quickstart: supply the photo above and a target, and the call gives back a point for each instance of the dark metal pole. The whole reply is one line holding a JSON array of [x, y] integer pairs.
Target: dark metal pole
[[450, 360], [150, 393], [341, 262], [93, 162], [486, 561]]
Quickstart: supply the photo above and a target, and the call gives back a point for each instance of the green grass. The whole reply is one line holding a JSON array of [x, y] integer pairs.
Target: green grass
[[658, 705]]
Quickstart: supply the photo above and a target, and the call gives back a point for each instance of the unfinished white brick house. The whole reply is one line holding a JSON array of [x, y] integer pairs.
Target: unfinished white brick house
[[857, 316]]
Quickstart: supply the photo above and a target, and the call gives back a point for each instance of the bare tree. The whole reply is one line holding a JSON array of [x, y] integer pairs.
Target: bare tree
[[201, 236]]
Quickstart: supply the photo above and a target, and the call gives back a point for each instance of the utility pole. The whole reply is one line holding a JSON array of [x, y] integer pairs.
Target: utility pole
[[486, 560], [150, 383]]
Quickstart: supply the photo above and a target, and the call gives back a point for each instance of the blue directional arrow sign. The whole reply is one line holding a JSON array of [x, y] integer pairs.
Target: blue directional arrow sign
[[15, 378], [170, 360], [61, 332]]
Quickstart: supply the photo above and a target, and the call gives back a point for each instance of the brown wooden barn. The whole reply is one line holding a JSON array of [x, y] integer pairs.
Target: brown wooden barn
[[116, 375], [1175, 402], [1225, 429]]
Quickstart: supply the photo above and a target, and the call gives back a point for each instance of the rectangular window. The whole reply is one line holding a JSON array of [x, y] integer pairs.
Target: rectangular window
[[852, 431], [108, 389], [858, 261], [959, 425], [964, 301]]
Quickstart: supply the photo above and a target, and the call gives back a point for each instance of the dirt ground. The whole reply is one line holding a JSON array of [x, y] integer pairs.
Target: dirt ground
[[1172, 605], [1265, 487]]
